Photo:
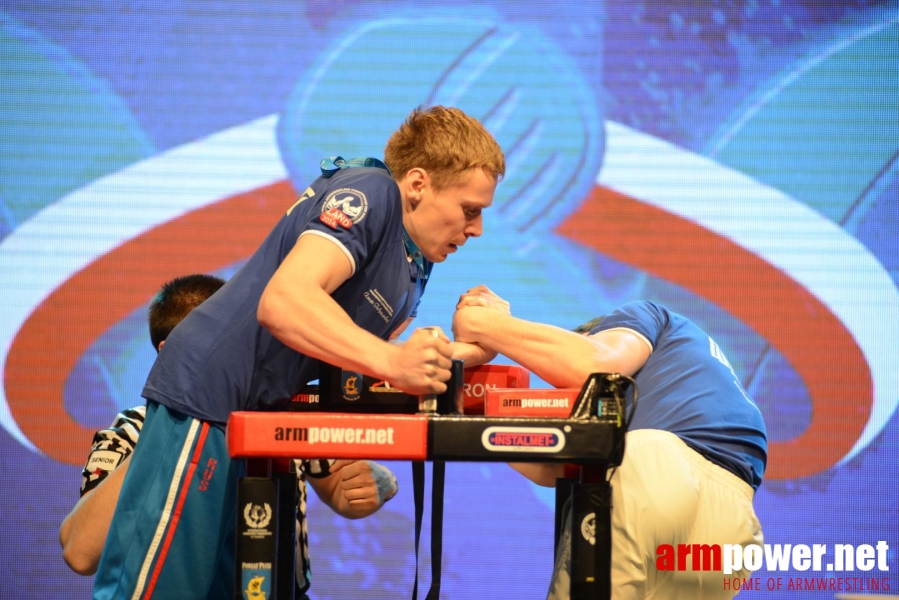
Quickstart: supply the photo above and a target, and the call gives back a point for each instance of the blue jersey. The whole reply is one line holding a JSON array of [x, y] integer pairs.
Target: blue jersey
[[688, 387], [219, 359]]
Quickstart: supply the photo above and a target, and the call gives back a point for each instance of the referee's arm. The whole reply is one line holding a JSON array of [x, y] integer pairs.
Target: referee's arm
[[83, 532]]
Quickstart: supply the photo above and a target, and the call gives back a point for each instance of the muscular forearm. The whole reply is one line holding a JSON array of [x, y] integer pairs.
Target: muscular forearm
[[297, 308], [323, 330], [473, 355], [559, 357], [83, 532]]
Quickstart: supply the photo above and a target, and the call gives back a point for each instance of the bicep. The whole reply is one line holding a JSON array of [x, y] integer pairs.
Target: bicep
[[314, 267], [620, 351], [316, 260]]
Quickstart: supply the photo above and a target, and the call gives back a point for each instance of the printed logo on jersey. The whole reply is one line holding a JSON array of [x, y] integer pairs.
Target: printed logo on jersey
[[348, 201], [309, 193], [334, 218], [380, 304], [548, 440]]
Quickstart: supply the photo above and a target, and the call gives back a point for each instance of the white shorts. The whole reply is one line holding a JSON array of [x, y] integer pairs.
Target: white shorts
[[666, 493]]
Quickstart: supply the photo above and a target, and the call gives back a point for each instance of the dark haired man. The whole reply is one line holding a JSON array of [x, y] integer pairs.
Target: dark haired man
[[696, 446], [83, 532]]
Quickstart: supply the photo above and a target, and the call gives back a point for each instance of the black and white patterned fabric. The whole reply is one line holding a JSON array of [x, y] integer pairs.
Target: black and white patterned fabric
[[112, 446], [306, 468]]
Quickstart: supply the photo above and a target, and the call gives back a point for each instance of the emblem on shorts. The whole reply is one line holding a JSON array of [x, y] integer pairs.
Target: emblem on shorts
[[348, 201], [257, 516], [588, 528]]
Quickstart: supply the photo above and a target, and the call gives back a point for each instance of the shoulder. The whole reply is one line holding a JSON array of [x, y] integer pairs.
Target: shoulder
[[376, 186], [367, 197], [364, 179], [648, 319], [639, 311]]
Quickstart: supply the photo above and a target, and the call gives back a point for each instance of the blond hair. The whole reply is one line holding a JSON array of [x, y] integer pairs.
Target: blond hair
[[446, 143]]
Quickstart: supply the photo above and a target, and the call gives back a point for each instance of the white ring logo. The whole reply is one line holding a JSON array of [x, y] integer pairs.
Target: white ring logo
[[350, 202]]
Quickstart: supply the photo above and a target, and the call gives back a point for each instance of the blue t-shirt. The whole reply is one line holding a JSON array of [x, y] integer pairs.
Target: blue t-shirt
[[688, 387], [219, 359]]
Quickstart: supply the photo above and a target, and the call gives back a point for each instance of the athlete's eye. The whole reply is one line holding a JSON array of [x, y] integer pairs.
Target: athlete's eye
[[471, 213]]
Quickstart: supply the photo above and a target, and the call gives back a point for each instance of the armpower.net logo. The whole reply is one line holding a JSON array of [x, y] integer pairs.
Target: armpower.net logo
[[844, 568]]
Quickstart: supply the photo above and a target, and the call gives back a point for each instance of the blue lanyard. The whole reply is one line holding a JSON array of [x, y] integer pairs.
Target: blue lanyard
[[332, 164], [423, 264]]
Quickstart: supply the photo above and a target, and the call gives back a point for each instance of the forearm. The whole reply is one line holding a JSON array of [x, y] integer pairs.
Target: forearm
[[83, 532], [473, 355], [297, 308], [559, 357], [321, 329]]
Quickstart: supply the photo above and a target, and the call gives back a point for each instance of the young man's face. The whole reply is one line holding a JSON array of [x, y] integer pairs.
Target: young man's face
[[441, 222]]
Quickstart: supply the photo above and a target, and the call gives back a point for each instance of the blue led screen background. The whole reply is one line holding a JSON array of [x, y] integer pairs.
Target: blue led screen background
[[736, 161]]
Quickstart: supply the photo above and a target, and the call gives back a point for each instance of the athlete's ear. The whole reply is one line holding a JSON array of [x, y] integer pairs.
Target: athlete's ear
[[415, 183], [159, 347]]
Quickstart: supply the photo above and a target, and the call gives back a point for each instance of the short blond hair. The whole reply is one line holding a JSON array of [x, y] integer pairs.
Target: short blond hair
[[446, 143]]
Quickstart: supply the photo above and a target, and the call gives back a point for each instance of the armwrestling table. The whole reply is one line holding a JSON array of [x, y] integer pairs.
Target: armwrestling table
[[350, 416]]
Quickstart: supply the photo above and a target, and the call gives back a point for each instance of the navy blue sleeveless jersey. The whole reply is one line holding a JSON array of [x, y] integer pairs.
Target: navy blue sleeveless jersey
[[219, 359], [689, 388]]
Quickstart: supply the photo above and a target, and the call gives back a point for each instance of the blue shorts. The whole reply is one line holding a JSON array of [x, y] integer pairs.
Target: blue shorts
[[172, 535]]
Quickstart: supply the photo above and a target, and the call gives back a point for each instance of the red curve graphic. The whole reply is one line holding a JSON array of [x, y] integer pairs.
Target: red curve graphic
[[814, 341], [812, 338], [107, 290]]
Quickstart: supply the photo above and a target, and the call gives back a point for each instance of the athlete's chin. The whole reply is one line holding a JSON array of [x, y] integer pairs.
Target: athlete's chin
[[442, 255]]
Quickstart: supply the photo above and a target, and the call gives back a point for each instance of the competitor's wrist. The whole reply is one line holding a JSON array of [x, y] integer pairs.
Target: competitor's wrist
[[395, 488]]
